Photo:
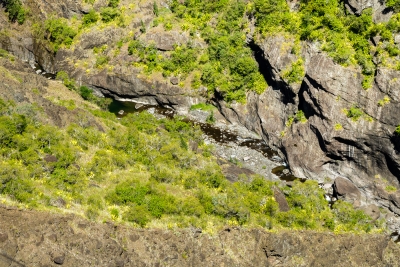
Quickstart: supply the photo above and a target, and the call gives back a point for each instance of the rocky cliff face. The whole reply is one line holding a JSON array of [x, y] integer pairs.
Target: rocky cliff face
[[327, 145], [31, 238]]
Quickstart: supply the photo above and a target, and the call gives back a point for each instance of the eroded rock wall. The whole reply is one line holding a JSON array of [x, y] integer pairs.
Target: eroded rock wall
[[329, 144]]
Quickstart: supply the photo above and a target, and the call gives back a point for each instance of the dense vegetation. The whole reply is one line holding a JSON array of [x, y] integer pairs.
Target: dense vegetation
[[15, 10], [142, 170], [59, 33], [226, 65], [146, 171]]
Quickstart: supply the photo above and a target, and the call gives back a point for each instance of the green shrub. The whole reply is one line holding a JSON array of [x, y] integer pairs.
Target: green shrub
[[59, 33], [351, 218], [156, 11], [168, 26], [90, 18], [397, 130], [63, 76], [114, 213], [160, 204], [92, 213], [101, 61], [227, 66], [300, 117], [142, 27], [384, 101], [86, 93], [128, 193], [191, 206], [391, 188], [120, 43], [3, 53], [307, 196], [260, 185], [338, 127], [354, 113], [210, 118], [269, 207], [296, 219], [10, 127], [148, 54], [113, 3], [15, 10], [183, 60], [128, 162], [164, 175], [394, 4], [330, 224], [206, 201], [295, 73], [14, 181], [137, 214], [367, 81], [212, 179], [109, 14]]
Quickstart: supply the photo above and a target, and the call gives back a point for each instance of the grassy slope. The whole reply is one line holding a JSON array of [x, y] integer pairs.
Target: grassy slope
[[141, 170]]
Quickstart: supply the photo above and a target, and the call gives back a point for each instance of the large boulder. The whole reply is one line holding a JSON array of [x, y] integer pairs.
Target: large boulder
[[281, 199], [346, 190], [167, 40], [372, 211], [380, 12], [66, 8], [394, 205], [232, 172], [91, 39]]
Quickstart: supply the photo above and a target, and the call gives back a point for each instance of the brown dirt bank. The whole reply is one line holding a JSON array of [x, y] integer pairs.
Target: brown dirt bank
[[34, 238]]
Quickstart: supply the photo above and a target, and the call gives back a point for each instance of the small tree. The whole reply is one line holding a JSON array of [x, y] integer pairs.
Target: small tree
[[15, 10], [156, 11]]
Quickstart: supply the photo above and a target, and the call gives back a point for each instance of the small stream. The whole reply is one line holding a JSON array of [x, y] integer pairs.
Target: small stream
[[122, 108], [39, 70]]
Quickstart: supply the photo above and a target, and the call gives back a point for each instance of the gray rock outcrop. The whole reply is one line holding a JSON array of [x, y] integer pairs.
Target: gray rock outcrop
[[328, 143], [372, 211], [281, 199], [165, 41], [346, 190], [380, 12]]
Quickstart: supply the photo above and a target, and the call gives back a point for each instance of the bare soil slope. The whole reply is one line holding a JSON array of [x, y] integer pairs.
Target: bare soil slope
[[34, 238]]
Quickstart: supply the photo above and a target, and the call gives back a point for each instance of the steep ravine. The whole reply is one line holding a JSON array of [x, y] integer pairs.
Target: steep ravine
[[30, 238], [326, 146], [362, 151], [313, 149]]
